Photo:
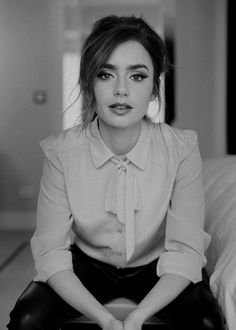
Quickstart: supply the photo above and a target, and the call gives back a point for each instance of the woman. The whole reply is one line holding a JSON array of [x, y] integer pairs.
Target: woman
[[121, 205]]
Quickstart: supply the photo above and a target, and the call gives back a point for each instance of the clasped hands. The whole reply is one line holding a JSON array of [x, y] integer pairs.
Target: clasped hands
[[132, 322]]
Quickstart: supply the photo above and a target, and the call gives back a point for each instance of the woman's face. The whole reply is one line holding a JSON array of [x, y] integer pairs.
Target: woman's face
[[124, 86]]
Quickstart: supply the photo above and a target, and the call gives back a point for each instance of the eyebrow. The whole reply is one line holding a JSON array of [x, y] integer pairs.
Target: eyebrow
[[130, 67]]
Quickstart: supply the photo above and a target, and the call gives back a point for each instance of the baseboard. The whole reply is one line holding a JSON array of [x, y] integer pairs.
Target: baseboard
[[17, 220]]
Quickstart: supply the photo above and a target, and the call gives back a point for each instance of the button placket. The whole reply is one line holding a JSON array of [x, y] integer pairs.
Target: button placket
[[121, 192], [122, 201], [125, 203]]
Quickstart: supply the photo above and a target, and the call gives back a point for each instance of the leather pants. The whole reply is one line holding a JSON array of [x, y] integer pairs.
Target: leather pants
[[39, 307]]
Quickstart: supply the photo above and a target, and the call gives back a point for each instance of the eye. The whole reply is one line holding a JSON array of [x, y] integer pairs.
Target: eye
[[104, 75], [138, 76]]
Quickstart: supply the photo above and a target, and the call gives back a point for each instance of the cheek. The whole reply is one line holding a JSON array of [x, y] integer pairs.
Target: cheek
[[96, 90], [100, 93], [97, 95], [144, 94]]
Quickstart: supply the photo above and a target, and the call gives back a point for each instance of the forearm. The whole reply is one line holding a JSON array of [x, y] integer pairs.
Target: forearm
[[166, 290], [68, 286]]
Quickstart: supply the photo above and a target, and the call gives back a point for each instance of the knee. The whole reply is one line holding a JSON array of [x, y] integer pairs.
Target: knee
[[213, 317], [30, 310], [23, 321], [208, 323], [213, 320]]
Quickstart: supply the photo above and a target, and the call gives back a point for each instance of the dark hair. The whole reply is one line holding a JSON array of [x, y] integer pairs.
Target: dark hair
[[107, 33]]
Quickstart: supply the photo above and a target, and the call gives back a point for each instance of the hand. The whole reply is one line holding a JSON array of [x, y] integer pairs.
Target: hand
[[132, 322], [132, 325], [113, 324]]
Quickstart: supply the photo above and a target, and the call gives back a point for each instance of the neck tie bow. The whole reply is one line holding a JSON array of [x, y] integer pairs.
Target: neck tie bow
[[123, 199]]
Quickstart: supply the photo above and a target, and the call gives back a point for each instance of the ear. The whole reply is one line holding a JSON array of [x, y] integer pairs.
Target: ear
[[153, 96]]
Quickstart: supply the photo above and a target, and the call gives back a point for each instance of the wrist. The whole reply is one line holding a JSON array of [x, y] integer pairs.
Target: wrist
[[140, 314], [105, 320], [137, 316]]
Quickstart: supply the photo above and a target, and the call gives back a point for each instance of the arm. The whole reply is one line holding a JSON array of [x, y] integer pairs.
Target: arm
[[166, 289], [51, 244], [185, 239], [70, 288]]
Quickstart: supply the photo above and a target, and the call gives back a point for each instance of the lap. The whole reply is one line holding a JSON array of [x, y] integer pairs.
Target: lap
[[106, 282], [195, 308]]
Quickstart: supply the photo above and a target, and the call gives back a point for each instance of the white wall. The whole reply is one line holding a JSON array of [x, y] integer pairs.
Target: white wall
[[201, 71], [29, 60]]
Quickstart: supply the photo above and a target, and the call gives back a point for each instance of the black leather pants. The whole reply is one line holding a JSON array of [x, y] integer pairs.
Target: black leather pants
[[39, 307]]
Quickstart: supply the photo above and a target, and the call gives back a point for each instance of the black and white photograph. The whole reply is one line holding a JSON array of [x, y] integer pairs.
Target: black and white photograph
[[117, 165]]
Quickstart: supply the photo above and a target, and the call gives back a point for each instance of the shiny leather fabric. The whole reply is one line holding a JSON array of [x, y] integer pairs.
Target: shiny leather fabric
[[39, 307]]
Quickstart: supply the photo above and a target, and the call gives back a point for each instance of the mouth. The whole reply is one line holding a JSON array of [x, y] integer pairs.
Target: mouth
[[120, 108]]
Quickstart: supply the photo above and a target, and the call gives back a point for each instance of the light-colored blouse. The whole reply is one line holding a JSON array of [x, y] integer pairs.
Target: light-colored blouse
[[123, 210]]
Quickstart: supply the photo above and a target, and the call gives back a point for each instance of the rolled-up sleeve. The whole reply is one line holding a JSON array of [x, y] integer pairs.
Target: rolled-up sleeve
[[52, 239], [186, 240]]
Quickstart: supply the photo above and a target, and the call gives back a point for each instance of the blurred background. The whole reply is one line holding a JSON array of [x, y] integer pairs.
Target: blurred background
[[39, 56], [40, 43]]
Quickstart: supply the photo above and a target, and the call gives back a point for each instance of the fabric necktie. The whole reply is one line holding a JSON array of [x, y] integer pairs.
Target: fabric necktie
[[123, 199]]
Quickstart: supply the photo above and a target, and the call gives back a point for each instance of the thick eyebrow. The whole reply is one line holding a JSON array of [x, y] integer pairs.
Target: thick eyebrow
[[129, 68]]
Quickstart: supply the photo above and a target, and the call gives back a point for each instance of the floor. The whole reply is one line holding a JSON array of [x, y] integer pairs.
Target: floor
[[16, 270]]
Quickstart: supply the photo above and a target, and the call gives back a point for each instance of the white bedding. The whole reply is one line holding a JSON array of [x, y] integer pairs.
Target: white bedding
[[219, 178]]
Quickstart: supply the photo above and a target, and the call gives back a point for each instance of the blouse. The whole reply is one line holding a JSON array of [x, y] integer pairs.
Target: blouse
[[123, 210]]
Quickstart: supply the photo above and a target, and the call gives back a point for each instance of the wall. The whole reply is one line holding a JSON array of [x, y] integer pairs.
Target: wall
[[29, 60], [201, 70]]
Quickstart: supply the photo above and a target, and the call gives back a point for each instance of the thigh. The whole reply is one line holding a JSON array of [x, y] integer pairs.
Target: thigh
[[39, 307], [195, 308], [137, 286], [95, 276]]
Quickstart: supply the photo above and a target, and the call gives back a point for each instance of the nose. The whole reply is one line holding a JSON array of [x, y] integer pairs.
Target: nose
[[121, 88]]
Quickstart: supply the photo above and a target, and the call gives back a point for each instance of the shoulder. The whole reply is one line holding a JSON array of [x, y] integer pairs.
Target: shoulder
[[63, 141], [180, 141]]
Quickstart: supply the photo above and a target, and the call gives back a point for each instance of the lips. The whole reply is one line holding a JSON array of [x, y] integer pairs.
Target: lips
[[120, 109], [120, 106]]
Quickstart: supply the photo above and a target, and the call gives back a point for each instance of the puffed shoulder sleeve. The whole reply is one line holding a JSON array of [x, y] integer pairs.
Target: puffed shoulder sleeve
[[186, 240], [51, 241]]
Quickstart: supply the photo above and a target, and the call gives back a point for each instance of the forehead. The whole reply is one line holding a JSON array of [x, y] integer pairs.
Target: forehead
[[130, 53]]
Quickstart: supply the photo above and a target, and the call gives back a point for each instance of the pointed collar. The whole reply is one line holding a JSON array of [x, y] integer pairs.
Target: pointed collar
[[100, 152]]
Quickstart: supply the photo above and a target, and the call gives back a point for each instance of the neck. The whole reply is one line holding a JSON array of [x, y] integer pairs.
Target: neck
[[119, 140]]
